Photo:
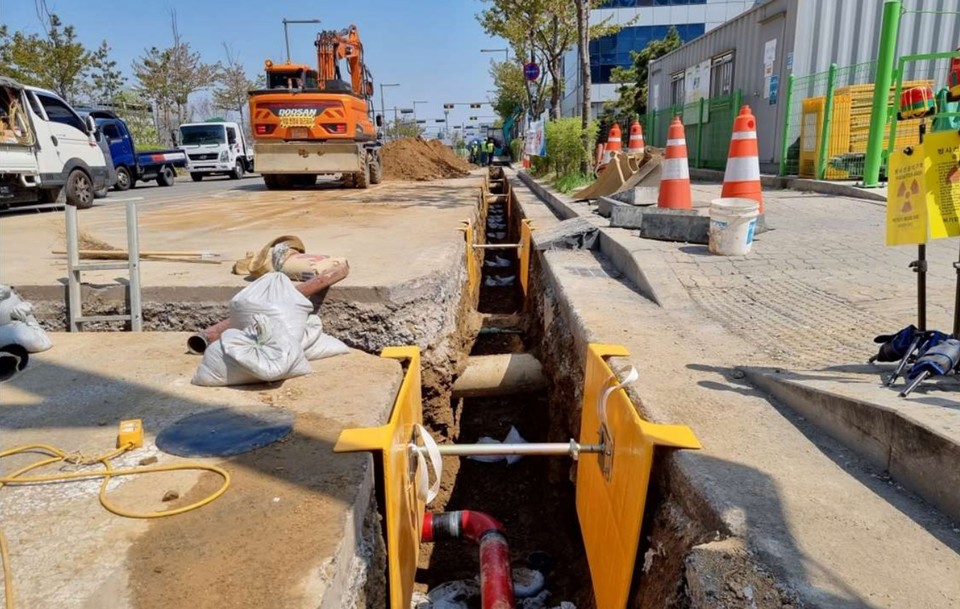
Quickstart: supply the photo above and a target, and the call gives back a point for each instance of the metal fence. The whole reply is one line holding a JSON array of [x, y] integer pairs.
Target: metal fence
[[831, 107], [708, 125]]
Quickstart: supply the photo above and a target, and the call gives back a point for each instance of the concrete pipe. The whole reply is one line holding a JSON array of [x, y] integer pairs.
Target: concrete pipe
[[496, 375]]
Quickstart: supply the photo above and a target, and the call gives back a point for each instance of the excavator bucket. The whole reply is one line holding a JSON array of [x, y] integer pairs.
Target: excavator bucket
[[625, 171]]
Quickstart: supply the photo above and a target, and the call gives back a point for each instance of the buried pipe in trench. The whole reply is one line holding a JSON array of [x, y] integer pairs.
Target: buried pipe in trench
[[498, 375], [496, 577], [199, 341]]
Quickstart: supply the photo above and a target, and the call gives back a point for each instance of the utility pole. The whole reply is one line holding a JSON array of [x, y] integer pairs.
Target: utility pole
[[383, 105]]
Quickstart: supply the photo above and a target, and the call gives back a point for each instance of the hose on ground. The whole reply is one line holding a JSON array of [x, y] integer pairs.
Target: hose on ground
[[55, 455]]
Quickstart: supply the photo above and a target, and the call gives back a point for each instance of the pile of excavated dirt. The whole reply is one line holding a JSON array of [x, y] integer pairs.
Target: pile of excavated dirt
[[413, 159]]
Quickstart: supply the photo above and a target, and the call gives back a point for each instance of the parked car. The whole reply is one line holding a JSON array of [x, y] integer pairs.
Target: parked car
[[215, 148], [133, 166], [46, 148]]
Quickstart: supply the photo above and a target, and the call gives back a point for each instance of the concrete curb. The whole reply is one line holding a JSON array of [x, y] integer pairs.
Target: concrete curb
[[798, 184], [918, 457], [641, 265]]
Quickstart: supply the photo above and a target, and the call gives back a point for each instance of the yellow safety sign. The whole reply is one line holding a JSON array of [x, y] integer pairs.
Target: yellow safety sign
[[404, 508], [906, 199], [612, 485], [942, 173]]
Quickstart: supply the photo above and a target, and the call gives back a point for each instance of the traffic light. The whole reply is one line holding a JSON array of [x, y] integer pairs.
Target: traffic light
[[439, 120], [474, 106], [448, 106], [473, 118]]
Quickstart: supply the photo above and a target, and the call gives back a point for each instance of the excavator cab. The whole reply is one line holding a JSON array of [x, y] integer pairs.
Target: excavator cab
[[291, 76]]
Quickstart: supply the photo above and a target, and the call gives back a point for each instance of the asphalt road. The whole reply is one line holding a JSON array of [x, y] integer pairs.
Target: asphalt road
[[150, 194]]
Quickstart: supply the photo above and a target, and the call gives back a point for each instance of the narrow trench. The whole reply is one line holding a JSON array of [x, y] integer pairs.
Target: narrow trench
[[537, 509]]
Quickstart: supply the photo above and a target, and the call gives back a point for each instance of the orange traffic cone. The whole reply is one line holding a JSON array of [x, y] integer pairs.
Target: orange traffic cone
[[742, 177], [635, 143], [614, 144], [675, 180]]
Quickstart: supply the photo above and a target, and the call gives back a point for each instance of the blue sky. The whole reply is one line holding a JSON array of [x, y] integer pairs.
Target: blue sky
[[431, 47]]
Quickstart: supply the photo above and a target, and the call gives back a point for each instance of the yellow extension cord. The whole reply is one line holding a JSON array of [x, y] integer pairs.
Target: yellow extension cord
[[58, 456]]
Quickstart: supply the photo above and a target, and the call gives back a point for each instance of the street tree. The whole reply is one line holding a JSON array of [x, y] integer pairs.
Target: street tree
[[543, 30], [106, 81], [169, 76], [510, 88], [232, 85], [56, 60]]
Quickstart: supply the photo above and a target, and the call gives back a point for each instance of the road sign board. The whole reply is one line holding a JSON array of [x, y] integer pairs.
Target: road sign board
[[531, 71]]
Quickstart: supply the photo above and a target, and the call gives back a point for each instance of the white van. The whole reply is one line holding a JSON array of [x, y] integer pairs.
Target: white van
[[215, 148], [46, 148]]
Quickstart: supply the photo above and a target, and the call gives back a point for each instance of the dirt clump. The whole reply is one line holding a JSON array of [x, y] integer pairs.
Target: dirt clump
[[414, 159]]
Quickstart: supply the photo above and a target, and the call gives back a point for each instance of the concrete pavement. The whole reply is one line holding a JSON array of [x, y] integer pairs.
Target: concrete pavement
[[810, 511], [295, 529]]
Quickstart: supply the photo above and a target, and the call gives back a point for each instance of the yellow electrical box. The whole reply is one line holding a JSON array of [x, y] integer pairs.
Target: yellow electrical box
[[811, 130], [130, 433], [612, 485]]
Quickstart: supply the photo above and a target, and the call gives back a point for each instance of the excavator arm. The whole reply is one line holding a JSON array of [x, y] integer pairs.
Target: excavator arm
[[332, 46]]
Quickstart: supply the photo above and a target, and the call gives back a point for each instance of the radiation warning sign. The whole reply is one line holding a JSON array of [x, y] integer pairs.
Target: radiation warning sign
[[942, 181], [906, 199]]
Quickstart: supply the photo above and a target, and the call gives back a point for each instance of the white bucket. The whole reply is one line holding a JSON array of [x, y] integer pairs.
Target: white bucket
[[732, 224]]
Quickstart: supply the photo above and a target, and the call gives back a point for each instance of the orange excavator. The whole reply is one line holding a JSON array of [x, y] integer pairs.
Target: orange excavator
[[308, 123]]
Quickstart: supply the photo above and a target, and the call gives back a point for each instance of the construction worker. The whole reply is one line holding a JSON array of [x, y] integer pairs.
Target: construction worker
[[490, 147], [474, 152]]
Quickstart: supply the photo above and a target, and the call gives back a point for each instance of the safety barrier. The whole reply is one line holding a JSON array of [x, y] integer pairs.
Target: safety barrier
[[615, 453]]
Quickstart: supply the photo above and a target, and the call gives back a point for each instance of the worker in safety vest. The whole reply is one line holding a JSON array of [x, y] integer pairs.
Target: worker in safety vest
[[490, 147], [474, 152]]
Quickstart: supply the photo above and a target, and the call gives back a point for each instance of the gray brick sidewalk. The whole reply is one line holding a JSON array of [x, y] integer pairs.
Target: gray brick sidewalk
[[818, 288]]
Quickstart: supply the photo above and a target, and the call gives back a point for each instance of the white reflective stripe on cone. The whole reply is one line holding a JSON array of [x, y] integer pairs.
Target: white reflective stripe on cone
[[744, 135], [610, 140], [742, 169], [678, 142], [675, 169]]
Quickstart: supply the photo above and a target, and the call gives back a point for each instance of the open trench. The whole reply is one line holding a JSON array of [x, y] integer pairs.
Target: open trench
[[534, 497]]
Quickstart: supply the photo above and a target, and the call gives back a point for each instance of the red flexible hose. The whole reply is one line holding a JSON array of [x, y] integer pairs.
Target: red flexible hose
[[496, 580]]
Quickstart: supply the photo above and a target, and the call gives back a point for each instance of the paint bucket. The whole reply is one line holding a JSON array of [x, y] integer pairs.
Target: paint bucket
[[732, 224]]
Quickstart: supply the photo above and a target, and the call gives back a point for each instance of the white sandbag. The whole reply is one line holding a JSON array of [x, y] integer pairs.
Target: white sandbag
[[213, 370], [316, 344], [266, 350], [275, 296], [23, 329], [263, 352], [8, 300]]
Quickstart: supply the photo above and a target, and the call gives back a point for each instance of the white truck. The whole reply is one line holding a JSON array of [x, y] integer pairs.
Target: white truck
[[215, 148], [46, 148]]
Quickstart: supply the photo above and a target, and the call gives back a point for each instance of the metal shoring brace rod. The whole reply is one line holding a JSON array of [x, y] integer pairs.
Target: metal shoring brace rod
[[549, 449]]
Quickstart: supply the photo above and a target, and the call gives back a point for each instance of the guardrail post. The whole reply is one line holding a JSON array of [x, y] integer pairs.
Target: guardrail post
[[827, 119]]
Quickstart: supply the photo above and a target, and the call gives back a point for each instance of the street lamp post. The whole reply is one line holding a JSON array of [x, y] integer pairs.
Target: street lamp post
[[506, 52], [286, 35], [415, 102], [383, 105]]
